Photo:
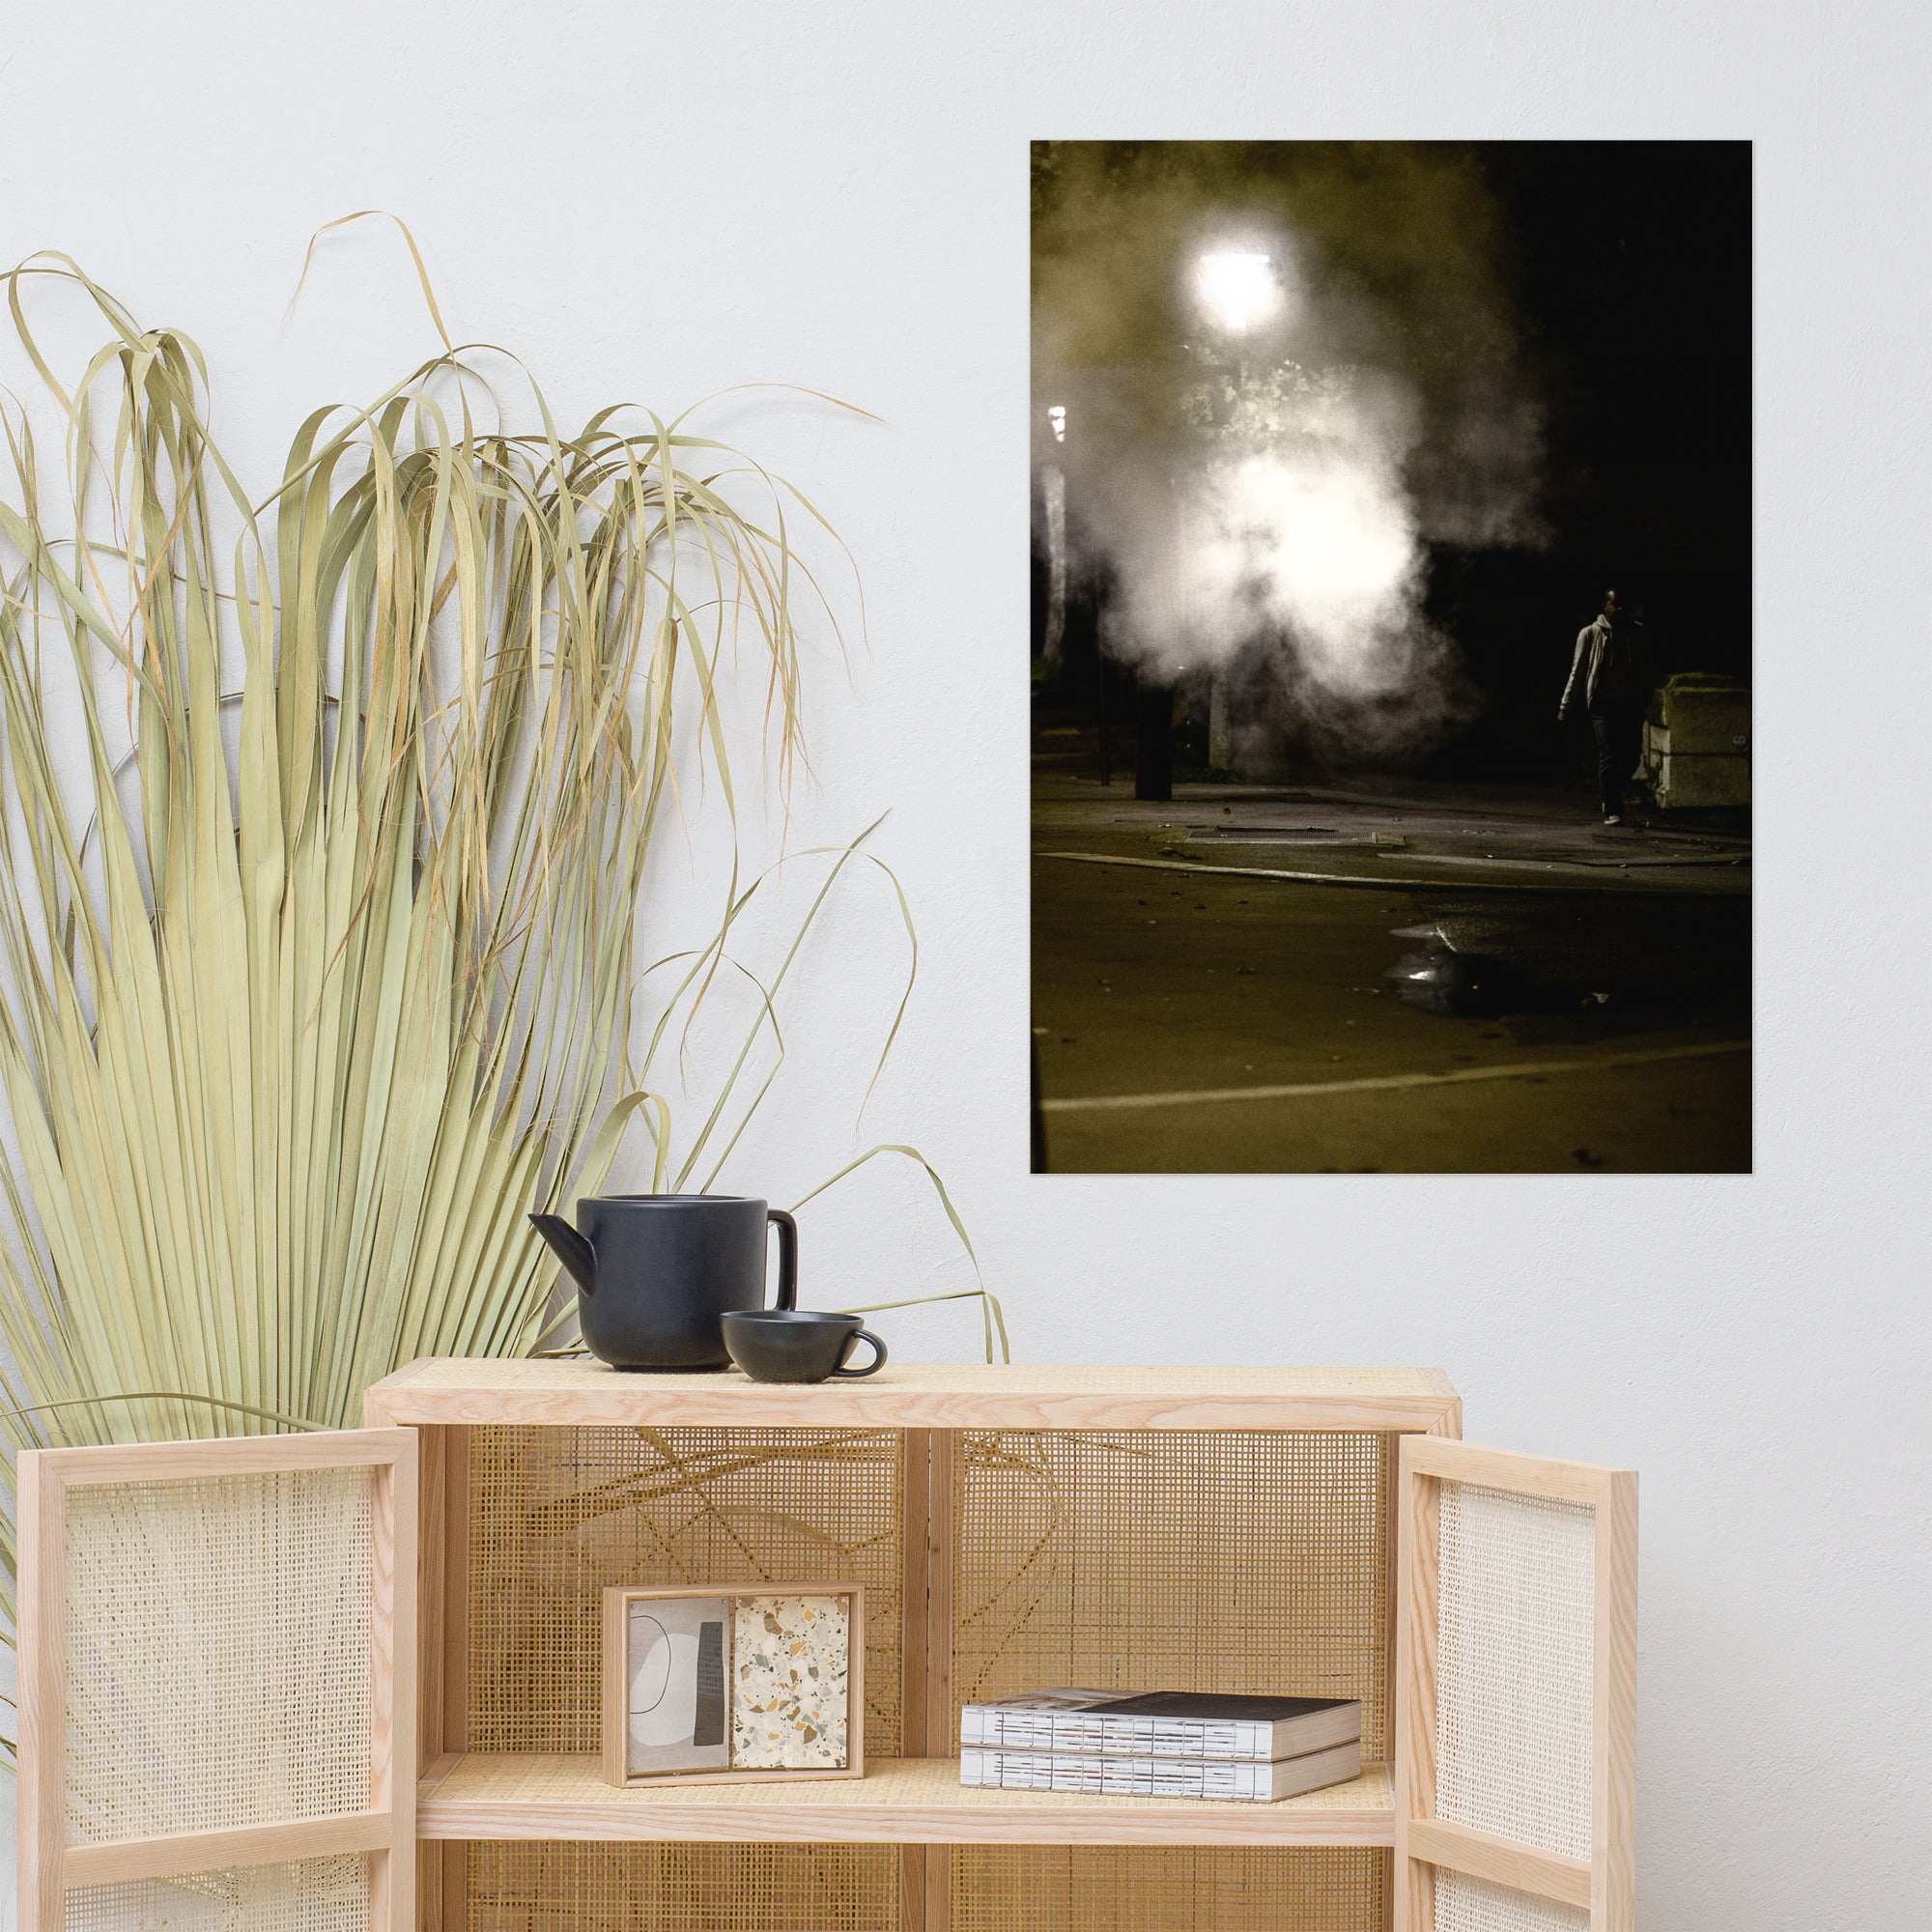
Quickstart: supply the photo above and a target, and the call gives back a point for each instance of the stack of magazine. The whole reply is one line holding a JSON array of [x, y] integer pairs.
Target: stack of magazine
[[1163, 1743]]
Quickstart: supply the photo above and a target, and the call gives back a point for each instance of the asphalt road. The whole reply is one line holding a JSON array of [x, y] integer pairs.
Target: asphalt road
[[1469, 1026]]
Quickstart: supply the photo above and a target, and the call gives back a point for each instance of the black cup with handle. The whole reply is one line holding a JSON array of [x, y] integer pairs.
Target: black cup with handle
[[797, 1344]]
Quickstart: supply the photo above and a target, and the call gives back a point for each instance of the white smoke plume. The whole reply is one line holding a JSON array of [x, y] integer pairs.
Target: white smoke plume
[[1259, 499]]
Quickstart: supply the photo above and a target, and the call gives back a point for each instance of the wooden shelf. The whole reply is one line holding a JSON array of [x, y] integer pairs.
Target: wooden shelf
[[898, 1801], [580, 1391]]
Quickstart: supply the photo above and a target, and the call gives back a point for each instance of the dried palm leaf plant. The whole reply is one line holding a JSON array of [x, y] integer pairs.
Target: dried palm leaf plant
[[318, 971]]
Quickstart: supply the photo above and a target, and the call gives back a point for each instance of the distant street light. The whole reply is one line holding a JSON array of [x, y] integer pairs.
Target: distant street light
[[1239, 292]]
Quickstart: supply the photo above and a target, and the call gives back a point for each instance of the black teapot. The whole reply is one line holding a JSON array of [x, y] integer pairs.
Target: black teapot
[[655, 1273]]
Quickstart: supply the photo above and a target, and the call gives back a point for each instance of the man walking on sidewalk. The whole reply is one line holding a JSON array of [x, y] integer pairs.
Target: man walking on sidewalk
[[1606, 674]]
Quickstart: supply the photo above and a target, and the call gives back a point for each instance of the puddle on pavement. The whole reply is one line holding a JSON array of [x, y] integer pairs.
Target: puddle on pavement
[[1577, 970]]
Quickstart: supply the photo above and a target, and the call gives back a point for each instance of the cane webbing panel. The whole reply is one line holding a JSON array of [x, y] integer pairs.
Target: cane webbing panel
[[1513, 1666], [1174, 1560], [217, 1652], [1465, 1904], [1138, 1888], [558, 1513], [530, 1885], [313, 1895]]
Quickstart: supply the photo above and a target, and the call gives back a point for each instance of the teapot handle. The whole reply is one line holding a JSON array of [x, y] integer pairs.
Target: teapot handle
[[787, 1257]]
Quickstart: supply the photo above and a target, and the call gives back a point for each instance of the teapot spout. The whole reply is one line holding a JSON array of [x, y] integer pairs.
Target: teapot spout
[[570, 1248]]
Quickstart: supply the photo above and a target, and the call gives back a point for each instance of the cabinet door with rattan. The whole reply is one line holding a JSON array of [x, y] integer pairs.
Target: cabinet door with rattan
[[1515, 1693], [217, 1684]]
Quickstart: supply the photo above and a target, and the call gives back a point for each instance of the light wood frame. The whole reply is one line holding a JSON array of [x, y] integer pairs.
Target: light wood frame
[[50, 1866], [614, 1724], [920, 1807], [420, 1446], [1602, 1886]]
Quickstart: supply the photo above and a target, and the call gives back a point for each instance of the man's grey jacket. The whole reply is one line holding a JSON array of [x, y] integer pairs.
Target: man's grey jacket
[[1605, 666]]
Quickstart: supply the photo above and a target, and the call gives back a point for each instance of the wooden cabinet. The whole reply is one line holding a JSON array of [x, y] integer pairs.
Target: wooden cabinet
[[1318, 1530]]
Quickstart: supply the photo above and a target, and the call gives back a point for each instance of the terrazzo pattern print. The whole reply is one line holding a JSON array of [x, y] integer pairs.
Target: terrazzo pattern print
[[790, 1656]]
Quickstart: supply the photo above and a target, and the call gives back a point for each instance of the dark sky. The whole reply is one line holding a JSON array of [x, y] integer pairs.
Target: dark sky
[[1631, 271]]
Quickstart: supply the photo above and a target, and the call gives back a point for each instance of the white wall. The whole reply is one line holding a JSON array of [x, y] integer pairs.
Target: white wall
[[655, 202]]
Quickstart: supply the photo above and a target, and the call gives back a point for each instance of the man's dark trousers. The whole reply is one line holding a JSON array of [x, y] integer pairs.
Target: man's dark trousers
[[1618, 732]]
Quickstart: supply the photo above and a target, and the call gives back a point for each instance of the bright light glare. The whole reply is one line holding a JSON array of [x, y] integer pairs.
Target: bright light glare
[[1239, 292], [1056, 418]]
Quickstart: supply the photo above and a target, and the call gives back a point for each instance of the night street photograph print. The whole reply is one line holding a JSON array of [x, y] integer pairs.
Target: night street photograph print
[[1391, 657]]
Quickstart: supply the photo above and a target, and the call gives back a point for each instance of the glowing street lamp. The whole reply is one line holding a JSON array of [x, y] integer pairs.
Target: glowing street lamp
[[1239, 292]]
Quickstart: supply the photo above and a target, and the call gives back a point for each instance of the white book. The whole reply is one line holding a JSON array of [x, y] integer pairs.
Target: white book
[[1162, 1723], [1231, 1781]]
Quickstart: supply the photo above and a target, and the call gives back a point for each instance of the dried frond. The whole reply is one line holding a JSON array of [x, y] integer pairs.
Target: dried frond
[[319, 975]]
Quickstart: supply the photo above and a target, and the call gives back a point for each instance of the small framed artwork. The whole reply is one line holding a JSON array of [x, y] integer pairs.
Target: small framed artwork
[[765, 1684]]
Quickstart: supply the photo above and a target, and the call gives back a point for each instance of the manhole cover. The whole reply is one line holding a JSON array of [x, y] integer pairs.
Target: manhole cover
[[1261, 834]]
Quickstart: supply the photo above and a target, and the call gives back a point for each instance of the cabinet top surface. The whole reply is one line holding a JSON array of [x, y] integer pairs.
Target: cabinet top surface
[[922, 1394]]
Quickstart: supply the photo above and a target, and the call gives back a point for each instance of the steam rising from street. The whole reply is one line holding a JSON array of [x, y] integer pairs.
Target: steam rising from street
[[1255, 494], [1293, 548]]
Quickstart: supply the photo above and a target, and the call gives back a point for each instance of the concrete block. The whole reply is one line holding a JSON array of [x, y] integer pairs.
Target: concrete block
[[1704, 714], [1690, 780]]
